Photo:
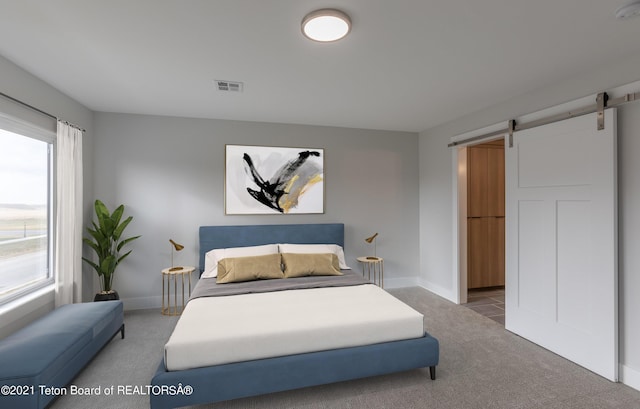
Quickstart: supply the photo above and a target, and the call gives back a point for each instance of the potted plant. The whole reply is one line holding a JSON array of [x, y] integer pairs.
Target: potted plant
[[106, 240]]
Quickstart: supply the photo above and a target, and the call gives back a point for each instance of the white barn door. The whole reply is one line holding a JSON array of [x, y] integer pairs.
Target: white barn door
[[561, 240]]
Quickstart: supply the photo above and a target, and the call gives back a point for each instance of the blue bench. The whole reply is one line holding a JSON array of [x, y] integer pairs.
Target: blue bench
[[38, 361]]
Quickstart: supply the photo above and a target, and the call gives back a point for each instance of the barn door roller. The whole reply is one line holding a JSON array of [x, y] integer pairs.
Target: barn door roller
[[601, 102]]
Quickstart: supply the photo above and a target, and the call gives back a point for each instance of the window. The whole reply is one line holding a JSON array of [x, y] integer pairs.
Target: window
[[26, 223]]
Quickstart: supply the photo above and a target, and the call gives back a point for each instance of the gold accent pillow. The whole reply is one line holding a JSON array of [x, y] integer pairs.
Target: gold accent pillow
[[316, 264], [238, 269]]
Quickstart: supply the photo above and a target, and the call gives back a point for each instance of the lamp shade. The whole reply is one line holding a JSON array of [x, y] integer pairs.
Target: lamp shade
[[371, 239], [176, 246]]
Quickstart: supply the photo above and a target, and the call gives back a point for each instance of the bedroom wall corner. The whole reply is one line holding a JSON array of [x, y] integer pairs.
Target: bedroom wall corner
[[436, 213]]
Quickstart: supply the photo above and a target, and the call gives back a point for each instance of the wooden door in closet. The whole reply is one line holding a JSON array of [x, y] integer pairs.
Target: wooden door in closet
[[485, 210]]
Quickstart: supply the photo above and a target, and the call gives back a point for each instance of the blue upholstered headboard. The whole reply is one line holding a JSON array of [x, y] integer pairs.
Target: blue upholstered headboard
[[217, 237]]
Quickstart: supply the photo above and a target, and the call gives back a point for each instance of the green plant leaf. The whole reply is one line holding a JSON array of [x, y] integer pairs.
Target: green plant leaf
[[91, 244], [94, 265], [117, 215], [125, 241], [124, 255], [101, 209], [108, 265], [118, 231], [102, 213], [108, 227]]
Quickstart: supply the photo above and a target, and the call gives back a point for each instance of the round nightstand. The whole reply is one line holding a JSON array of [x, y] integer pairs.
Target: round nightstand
[[373, 266], [169, 275]]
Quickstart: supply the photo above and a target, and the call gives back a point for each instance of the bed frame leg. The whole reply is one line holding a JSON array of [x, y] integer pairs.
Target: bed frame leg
[[432, 372], [122, 332]]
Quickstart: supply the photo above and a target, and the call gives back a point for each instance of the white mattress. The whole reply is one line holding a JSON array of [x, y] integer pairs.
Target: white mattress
[[219, 330]]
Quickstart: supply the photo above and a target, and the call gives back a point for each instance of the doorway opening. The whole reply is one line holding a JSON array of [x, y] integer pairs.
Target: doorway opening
[[482, 226]]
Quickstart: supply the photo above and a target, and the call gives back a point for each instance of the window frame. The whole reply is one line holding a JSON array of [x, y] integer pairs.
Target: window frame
[[29, 130]]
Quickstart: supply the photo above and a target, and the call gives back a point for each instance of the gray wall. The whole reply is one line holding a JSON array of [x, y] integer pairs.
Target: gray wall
[[23, 86], [169, 173], [436, 206]]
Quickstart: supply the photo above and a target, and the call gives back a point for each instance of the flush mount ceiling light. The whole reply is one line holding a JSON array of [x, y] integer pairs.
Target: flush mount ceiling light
[[326, 25], [628, 10]]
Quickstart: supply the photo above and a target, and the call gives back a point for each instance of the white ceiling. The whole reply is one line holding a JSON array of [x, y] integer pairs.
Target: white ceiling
[[407, 65]]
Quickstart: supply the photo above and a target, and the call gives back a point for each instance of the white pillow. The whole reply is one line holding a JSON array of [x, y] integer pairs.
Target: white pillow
[[316, 248], [212, 257]]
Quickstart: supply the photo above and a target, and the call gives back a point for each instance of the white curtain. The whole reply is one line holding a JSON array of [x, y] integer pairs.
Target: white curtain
[[68, 249]]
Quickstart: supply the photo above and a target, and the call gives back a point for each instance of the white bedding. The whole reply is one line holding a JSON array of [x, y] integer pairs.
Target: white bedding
[[219, 330]]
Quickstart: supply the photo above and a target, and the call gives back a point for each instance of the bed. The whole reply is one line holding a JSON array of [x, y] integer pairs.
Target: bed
[[192, 379]]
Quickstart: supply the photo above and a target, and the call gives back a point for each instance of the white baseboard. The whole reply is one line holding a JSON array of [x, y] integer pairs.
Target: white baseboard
[[438, 290], [630, 377], [400, 282]]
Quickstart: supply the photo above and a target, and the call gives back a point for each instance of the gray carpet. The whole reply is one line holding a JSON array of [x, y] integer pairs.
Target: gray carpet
[[481, 366]]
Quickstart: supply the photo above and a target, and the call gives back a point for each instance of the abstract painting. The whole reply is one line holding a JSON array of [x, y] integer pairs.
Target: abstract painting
[[273, 180]]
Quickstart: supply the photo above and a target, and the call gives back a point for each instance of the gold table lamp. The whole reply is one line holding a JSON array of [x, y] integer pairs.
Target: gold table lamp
[[177, 247], [370, 240]]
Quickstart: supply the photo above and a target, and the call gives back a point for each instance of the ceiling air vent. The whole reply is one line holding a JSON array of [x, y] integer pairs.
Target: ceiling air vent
[[229, 86]]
